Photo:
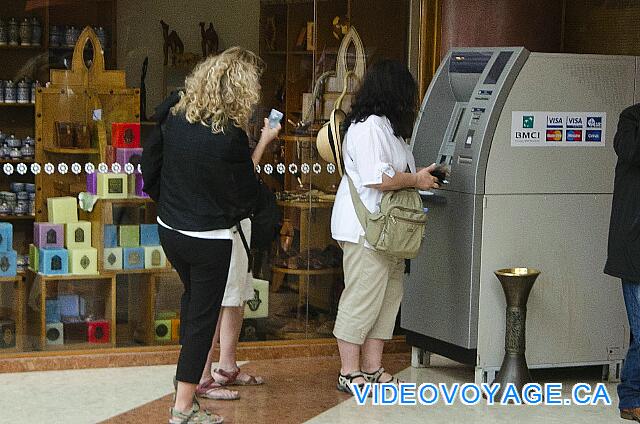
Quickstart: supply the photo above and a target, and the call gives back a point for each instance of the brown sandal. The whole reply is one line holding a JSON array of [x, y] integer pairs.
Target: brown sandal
[[225, 378], [211, 389]]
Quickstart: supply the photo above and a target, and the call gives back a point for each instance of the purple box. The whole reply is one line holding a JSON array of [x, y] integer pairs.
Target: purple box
[[92, 183], [46, 235], [136, 183], [133, 156]]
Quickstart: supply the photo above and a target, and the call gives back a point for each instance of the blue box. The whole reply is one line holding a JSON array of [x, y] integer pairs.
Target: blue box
[[6, 237], [133, 258], [9, 262], [52, 312], [149, 235], [54, 261], [72, 306], [110, 236]]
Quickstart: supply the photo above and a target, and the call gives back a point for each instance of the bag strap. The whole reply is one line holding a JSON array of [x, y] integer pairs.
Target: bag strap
[[361, 210], [246, 246]]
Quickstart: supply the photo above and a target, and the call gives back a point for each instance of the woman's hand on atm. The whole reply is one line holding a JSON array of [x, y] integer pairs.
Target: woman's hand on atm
[[424, 179]]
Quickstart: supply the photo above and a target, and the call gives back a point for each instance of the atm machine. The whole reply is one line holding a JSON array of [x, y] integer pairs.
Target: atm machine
[[529, 141]]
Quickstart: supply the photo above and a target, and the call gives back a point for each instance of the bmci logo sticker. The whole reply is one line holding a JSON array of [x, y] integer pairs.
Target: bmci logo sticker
[[574, 135], [527, 121], [594, 122], [594, 136]]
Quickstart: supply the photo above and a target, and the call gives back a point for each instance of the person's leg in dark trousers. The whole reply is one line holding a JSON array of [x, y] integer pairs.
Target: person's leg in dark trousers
[[629, 387], [203, 266]]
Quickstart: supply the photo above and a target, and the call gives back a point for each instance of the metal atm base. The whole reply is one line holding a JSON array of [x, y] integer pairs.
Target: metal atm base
[[422, 347]]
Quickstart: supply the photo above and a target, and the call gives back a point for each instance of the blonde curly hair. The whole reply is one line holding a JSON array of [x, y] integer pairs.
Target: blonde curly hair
[[222, 89]]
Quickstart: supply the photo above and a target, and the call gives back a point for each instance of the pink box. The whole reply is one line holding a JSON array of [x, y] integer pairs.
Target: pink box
[[133, 156], [46, 235], [92, 183]]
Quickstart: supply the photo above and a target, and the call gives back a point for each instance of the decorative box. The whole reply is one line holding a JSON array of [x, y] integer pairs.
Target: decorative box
[[154, 257], [129, 236], [110, 236], [75, 332], [72, 306], [54, 261], [133, 258], [136, 186], [258, 306], [6, 236], [132, 156], [8, 263], [52, 310], [175, 329], [83, 136], [64, 134], [54, 333], [92, 183], [163, 329], [83, 261], [7, 334], [125, 135], [112, 258], [46, 235], [149, 235], [112, 186], [98, 331], [62, 210], [77, 235], [34, 258]]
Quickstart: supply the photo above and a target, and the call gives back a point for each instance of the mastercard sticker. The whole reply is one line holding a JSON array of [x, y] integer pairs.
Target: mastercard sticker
[[554, 135]]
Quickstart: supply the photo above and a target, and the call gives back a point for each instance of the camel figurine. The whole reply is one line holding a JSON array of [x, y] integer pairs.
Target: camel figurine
[[209, 40], [171, 40]]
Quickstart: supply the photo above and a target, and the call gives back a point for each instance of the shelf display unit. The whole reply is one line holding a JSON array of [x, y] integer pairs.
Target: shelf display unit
[[13, 294]]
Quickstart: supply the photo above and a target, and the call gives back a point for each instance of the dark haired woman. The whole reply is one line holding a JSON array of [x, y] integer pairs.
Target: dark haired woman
[[378, 159]]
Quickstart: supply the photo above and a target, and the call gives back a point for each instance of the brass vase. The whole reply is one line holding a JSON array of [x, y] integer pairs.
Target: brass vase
[[516, 284]]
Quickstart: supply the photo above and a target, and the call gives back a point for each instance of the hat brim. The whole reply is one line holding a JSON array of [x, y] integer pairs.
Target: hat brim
[[329, 140]]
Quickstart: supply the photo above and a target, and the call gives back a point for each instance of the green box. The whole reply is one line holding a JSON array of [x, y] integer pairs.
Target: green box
[[34, 257], [129, 235]]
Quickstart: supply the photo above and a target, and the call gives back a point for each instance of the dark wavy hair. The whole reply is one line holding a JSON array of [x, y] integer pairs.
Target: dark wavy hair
[[388, 89]]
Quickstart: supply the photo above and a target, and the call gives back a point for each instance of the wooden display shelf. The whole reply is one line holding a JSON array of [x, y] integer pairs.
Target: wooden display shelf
[[305, 205], [71, 151], [38, 323], [80, 346], [149, 271], [17, 217], [294, 138], [17, 161], [291, 271], [128, 201], [8, 47], [25, 105], [74, 277], [19, 303]]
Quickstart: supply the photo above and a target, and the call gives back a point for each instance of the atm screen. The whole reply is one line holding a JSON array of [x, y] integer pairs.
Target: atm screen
[[497, 67]]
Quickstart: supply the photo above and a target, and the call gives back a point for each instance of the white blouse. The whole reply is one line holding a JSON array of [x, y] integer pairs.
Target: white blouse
[[370, 149]]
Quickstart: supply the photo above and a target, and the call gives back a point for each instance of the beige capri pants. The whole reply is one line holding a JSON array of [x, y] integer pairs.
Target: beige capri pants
[[371, 298]]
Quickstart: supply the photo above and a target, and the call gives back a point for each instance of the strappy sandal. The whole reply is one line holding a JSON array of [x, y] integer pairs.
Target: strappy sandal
[[210, 389], [225, 378], [195, 416], [345, 381], [374, 377]]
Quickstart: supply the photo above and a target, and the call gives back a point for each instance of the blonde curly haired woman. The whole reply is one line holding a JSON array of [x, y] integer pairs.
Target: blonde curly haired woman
[[198, 168]]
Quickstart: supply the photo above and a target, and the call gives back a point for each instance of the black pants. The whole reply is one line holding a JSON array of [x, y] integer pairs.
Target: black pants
[[203, 266]]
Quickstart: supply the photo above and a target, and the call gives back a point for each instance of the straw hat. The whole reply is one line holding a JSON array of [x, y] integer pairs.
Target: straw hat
[[329, 138]]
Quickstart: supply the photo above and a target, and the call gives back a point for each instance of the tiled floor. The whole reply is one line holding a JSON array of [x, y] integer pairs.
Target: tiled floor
[[297, 390]]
